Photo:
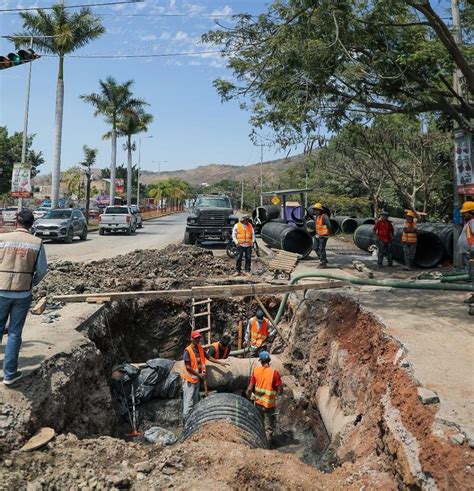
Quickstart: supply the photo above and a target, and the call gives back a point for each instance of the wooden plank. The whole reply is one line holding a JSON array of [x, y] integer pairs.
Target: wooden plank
[[201, 314], [40, 306], [100, 299], [239, 338], [204, 329], [202, 302]]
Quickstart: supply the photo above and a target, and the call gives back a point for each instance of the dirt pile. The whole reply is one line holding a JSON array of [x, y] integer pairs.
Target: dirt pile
[[139, 270]]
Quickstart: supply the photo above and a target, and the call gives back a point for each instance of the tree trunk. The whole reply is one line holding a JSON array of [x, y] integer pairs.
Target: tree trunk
[[113, 163], [58, 130], [88, 195], [129, 170]]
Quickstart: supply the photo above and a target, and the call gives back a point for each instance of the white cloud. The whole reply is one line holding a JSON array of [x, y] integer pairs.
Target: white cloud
[[181, 36], [223, 11], [148, 37]]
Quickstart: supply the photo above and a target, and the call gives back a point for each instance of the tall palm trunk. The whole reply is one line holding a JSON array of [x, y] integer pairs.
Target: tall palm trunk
[[58, 133], [88, 194], [113, 163], [129, 170]]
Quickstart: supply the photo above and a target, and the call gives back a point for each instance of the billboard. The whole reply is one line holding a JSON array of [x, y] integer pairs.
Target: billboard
[[119, 187], [463, 162], [21, 181]]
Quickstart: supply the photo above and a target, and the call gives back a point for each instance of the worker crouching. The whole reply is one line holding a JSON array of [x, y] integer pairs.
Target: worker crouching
[[265, 385], [193, 373]]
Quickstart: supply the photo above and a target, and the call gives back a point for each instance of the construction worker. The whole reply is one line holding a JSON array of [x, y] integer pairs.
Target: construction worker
[[219, 350], [243, 236], [323, 231], [193, 373], [409, 239], [259, 333], [385, 233], [466, 247], [22, 264], [265, 384]]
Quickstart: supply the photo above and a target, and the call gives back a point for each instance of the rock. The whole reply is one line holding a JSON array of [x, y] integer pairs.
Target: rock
[[145, 467], [169, 471], [458, 438], [8, 462], [120, 481], [471, 442], [427, 396]]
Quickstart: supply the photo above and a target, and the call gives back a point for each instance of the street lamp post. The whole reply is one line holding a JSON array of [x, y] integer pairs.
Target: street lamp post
[[139, 166]]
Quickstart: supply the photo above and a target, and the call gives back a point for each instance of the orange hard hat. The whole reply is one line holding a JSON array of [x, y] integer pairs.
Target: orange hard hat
[[410, 213]]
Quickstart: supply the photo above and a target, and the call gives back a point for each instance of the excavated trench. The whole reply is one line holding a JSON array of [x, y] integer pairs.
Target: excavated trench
[[350, 403]]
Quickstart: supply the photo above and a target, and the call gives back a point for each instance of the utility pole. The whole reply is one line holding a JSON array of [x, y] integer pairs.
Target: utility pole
[[242, 192], [138, 170], [261, 175]]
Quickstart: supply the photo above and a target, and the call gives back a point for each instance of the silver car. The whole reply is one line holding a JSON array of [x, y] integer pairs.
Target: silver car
[[62, 225], [9, 214]]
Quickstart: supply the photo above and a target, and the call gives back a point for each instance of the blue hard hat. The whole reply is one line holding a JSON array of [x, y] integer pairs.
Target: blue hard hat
[[264, 356]]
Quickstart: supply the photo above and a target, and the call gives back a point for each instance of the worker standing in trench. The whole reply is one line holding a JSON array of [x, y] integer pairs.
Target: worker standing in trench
[[466, 247], [259, 333], [409, 239], [265, 384], [193, 373], [220, 350]]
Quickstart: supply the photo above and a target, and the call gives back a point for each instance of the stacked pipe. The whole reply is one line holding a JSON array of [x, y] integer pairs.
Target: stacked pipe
[[445, 233], [283, 236], [429, 250]]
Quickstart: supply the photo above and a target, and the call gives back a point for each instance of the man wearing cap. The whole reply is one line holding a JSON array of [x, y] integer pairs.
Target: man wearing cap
[[384, 231], [409, 239], [193, 373], [23, 264], [265, 384], [243, 236], [323, 231], [259, 333], [466, 247]]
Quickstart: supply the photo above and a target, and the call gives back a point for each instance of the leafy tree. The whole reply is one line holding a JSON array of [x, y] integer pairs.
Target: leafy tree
[[114, 101], [90, 157], [72, 177], [174, 189], [307, 63], [58, 31], [10, 153]]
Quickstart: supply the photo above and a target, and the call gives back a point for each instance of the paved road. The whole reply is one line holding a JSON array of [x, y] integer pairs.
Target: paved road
[[155, 234]]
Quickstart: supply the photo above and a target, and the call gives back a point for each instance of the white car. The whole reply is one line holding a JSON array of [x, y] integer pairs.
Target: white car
[[9, 214], [40, 212]]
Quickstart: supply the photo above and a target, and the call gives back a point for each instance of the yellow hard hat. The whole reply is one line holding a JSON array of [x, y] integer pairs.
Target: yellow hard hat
[[467, 206], [410, 213], [318, 206]]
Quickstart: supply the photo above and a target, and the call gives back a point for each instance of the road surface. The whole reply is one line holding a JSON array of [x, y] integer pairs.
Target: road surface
[[155, 234]]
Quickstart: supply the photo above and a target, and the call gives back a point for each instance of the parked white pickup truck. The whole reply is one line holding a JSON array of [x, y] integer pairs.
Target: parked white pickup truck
[[118, 218]]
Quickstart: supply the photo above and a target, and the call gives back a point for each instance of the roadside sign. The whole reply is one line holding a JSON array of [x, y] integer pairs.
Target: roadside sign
[[276, 200], [464, 162], [21, 181]]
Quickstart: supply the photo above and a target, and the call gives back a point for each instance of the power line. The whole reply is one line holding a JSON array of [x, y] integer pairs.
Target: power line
[[155, 55], [73, 6]]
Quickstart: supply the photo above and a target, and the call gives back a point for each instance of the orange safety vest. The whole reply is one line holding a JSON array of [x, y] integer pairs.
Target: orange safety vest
[[257, 338], [410, 236], [469, 235], [321, 228], [244, 234], [196, 365], [265, 394], [225, 354]]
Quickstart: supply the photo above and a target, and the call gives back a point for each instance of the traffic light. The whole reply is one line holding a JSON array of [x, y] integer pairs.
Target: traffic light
[[14, 59]]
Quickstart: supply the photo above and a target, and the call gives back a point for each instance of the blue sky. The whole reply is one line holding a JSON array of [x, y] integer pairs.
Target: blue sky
[[192, 127]]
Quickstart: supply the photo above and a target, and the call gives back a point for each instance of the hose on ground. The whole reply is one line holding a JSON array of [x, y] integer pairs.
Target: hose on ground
[[232, 409]]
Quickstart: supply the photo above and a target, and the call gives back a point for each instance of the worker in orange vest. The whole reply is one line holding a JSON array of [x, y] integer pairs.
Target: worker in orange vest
[[219, 350], [193, 372], [409, 239], [466, 247], [259, 333], [323, 231], [243, 236], [265, 384]]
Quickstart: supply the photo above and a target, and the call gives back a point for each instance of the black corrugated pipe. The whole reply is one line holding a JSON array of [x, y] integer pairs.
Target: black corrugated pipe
[[334, 226], [282, 236], [429, 251], [445, 233], [368, 221], [263, 214], [348, 224], [232, 409], [297, 220]]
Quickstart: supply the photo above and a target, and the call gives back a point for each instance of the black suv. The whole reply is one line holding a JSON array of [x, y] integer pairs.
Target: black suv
[[212, 218]]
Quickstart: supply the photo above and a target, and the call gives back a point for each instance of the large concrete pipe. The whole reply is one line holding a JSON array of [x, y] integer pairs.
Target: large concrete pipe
[[235, 376], [445, 233], [429, 251], [283, 236], [263, 214], [231, 409]]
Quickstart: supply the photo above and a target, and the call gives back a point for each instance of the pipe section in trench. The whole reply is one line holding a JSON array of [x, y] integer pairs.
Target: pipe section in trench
[[282, 236], [429, 249], [231, 409]]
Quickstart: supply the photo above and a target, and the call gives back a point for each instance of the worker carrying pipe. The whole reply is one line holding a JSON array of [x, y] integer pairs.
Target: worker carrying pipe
[[385, 233], [259, 333], [466, 247], [409, 239], [243, 236], [219, 350], [264, 387], [323, 231]]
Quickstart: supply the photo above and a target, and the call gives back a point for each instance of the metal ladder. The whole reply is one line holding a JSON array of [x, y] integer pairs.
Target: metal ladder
[[205, 313]]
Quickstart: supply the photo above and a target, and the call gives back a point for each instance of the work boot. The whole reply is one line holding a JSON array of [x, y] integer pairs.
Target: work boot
[[469, 300], [237, 273], [248, 273], [323, 265], [406, 268], [390, 265], [471, 310]]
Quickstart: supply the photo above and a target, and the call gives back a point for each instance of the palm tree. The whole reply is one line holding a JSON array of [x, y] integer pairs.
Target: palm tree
[[114, 101], [129, 125], [58, 32], [90, 156]]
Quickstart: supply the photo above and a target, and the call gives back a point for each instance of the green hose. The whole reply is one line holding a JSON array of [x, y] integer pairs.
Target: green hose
[[453, 279], [389, 283]]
